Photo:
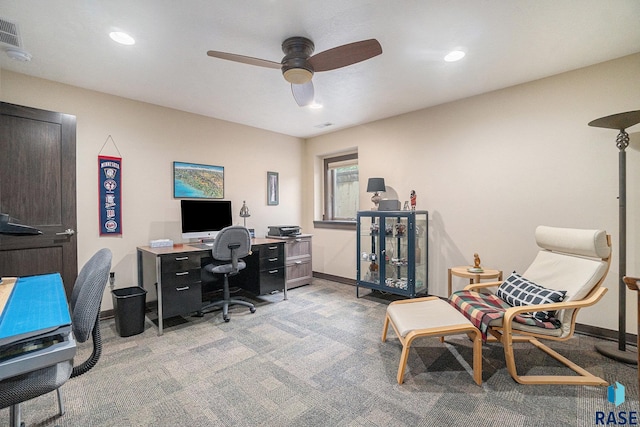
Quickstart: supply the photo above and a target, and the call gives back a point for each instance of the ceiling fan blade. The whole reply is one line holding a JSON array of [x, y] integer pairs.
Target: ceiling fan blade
[[303, 94], [244, 59], [344, 55]]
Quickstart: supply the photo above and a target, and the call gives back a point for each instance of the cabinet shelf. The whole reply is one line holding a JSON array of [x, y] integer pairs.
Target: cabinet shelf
[[394, 261]]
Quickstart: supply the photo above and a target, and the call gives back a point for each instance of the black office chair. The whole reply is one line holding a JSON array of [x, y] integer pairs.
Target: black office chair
[[231, 244], [86, 299]]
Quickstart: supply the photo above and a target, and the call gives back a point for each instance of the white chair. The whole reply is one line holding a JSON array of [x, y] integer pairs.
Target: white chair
[[572, 263]]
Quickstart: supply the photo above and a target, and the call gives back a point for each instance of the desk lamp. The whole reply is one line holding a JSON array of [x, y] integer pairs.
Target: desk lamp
[[375, 185], [244, 213], [620, 122]]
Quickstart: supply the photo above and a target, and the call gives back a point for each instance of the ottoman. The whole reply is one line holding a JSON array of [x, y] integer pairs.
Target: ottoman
[[426, 317]]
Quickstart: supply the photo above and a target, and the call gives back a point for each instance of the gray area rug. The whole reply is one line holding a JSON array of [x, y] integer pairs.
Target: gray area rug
[[317, 360]]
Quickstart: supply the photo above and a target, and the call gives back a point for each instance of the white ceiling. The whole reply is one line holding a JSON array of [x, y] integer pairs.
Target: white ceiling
[[507, 42]]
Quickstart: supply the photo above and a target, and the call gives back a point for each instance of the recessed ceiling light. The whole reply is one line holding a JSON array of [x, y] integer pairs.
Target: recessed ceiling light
[[18, 54], [455, 55], [122, 38], [315, 105]]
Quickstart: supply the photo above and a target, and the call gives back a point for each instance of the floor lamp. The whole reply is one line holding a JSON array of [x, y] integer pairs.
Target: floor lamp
[[620, 122]]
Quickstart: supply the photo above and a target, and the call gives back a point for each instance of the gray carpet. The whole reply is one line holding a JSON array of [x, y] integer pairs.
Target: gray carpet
[[317, 360]]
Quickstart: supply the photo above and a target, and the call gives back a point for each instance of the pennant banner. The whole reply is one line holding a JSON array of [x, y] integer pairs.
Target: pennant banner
[[110, 202]]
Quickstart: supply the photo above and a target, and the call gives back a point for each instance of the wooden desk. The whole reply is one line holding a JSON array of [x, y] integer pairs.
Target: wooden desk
[[35, 325], [5, 290], [463, 272], [175, 274]]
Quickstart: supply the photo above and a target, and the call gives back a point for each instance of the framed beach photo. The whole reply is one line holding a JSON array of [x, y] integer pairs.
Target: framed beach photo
[[273, 193], [195, 181]]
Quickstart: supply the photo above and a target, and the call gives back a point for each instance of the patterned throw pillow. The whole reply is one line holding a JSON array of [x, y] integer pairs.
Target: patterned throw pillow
[[518, 291]]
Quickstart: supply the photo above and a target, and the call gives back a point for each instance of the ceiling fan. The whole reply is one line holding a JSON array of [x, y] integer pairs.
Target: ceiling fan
[[298, 65]]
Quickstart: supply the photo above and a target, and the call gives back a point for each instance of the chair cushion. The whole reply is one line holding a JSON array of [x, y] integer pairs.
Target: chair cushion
[[589, 243], [485, 310], [518, 291], [224, 268]]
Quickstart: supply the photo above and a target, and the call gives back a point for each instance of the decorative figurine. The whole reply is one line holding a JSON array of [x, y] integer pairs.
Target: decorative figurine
[[476, 265], [388, 229], [406, 205], [413, 200]]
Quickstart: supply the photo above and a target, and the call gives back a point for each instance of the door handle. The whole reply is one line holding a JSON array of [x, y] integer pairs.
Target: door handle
[[68, 232]]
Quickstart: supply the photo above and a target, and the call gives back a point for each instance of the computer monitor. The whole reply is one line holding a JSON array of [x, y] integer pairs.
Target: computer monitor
[[203, 219]]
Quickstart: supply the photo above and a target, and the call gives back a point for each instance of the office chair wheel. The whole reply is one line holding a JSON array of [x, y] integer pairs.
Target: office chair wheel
[[226, 318], [252, 309]]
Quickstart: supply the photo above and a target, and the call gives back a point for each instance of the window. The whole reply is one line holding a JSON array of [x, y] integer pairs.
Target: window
[[341, 188]]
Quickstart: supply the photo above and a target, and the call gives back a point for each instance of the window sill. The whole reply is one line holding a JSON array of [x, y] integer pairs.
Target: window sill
[[337, 225]]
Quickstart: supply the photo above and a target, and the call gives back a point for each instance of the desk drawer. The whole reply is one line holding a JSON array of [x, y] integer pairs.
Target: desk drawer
[[177, 278], [179, 262], [299, 273], [299, 270], [298, 247], [181, 299], [269, 263], [271, 280], [273, 250]]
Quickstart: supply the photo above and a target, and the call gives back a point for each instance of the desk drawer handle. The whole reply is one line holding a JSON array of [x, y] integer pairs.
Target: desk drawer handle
[[182, 258], [184, 288], [273, 259], [182, 273], [273, 271], [298, 262], [273, 247]]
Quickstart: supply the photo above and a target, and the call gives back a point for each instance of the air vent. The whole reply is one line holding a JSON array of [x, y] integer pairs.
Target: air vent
[[324, 125], [9, 34]]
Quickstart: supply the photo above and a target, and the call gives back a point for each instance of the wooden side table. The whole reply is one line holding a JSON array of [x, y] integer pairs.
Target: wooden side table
[[463, 272]]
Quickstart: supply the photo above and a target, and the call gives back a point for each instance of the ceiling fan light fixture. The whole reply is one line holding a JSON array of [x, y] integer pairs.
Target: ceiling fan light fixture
[[122, 38], [454, 55], [297, 76]]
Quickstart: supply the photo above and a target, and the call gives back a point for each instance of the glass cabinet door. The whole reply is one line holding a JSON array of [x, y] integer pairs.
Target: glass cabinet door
[[397, 272], [392, 251], [369, 242], [421, 252]]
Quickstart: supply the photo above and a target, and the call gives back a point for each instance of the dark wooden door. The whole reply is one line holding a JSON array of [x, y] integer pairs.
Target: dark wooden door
[[38, 187]]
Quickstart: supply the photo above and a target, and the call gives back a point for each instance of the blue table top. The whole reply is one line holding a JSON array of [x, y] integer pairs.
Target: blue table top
[[37, 304]]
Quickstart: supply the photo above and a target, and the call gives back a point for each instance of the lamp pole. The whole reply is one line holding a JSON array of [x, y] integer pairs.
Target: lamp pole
[[621, 122]]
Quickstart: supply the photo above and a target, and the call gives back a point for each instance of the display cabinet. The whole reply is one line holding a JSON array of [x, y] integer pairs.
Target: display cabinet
[[393, 252]]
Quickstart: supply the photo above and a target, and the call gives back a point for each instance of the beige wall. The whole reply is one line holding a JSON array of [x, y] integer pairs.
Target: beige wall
[[150, 138], [490, 168]]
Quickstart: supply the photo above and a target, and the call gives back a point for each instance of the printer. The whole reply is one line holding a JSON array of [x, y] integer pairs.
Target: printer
[[283, 230]]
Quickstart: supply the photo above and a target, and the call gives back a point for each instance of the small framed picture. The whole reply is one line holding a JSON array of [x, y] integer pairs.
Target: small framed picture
[[273, 193]]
